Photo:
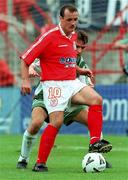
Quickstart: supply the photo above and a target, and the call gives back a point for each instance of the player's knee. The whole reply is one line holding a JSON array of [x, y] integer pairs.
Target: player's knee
[[38, 125], [97, 100], [100, 100], [57, 123], [35, 127]]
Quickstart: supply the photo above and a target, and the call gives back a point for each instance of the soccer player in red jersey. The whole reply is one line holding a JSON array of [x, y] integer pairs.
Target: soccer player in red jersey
[[57, 53]]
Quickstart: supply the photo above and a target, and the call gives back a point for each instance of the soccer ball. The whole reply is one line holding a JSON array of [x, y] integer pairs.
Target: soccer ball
[[93, 162]]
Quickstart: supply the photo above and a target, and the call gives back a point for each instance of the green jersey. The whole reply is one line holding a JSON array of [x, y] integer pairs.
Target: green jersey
[[82, 64]]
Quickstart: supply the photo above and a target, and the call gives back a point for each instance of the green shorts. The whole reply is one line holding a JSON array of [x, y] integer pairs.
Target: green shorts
[[39, 103], [69, 113]]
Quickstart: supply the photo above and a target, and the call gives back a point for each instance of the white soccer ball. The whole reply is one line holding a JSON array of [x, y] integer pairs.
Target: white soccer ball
[[93, 162]]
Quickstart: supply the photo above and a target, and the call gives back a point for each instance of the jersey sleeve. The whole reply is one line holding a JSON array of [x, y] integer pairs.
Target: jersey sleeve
[[83, 78], [36, 65], [36, 49], [81, 63]]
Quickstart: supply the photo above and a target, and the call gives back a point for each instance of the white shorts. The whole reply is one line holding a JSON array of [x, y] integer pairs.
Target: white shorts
[[58, 93]]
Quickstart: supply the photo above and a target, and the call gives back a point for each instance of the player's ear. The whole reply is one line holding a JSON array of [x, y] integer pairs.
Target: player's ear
[[61, 18]]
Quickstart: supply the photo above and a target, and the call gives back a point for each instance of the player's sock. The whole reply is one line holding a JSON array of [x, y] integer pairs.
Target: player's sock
[[46, 143], [95, 122], [27, 143]]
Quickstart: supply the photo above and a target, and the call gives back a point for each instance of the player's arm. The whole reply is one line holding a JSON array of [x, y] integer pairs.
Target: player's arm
[[26, 72], [25, 85], [83, 71], [89, 80], [34, 69], [28, 57], [26, 60]]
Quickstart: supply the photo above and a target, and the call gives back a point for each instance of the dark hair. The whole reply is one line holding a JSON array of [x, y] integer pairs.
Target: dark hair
[[70, 7], [82, 35]]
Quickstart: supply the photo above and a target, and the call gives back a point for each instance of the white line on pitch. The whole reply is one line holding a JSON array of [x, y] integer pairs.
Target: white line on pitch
[[86, 148]]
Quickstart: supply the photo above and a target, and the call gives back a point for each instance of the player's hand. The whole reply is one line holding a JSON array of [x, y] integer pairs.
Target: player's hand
[[91, 82], [88, 72], [25, 87], [91, 77], [32, 72], [84, 71]]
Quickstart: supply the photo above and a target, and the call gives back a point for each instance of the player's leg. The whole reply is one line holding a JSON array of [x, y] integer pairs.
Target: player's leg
[[90, 97], [47, 140], [82, 117], [38, 116], [78, 113], [56, 97]]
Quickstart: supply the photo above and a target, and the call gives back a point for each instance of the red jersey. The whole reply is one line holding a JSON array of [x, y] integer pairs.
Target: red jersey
[[57, 55]]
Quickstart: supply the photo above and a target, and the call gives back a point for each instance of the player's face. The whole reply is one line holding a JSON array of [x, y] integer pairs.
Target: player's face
[[80, 47], [69, 21]]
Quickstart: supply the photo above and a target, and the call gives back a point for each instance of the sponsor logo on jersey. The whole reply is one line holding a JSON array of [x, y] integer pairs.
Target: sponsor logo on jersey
[[68, 62]]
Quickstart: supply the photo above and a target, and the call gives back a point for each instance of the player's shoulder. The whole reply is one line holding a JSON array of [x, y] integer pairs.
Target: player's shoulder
[[50, 32], [47, 36]]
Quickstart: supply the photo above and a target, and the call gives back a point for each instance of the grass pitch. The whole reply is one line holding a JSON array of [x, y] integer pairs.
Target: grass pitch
[[64, 162]]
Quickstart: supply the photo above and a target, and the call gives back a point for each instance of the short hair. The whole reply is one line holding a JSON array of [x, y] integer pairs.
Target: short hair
[[82, 35], [70, 7]]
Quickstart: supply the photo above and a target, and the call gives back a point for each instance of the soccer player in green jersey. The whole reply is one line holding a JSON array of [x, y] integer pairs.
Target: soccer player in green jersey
[[78, 113]]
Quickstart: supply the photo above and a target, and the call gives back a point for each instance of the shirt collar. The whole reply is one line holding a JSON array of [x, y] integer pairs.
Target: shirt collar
[[63, 33]]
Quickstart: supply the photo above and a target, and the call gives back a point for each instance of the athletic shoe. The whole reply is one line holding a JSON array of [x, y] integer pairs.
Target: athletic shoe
[[22, 164], [101, 146], [40, 167], [108, 165]]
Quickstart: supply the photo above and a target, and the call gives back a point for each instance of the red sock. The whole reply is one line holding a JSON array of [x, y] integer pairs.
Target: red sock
[[95, 122], [46, 143]]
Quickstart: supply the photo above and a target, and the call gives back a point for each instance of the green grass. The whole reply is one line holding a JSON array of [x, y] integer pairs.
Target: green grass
[[64, 162]]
